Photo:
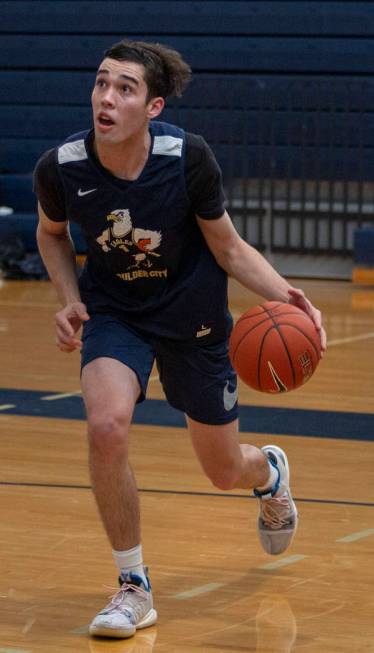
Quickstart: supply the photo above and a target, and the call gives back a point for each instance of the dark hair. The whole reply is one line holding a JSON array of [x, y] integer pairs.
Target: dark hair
[[166, 74]]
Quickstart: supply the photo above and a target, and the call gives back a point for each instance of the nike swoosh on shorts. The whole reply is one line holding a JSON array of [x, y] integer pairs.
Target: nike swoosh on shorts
[[229, 398]]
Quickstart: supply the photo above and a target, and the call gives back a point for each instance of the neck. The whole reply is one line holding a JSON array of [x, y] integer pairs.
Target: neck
[[124, 160]]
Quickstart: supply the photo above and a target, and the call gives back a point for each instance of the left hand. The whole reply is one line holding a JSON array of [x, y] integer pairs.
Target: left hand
[[298, 298]]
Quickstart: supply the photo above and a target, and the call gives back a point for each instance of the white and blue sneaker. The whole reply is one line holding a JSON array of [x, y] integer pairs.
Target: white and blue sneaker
[[277, 521], [130, 609]]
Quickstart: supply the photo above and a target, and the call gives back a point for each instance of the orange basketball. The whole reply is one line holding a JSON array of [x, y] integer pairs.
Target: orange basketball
[[274, 347]]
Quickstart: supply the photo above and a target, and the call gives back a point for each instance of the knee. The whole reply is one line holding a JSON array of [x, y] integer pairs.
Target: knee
[[108, 433]]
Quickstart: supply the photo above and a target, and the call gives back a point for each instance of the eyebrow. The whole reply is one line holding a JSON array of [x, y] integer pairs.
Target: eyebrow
[[128, 77]]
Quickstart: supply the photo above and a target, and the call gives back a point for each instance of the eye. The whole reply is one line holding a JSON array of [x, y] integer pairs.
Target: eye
[[126, 88], [100, 83]]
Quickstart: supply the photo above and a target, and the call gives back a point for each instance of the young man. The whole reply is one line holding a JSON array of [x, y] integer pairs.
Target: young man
[[149, 200]]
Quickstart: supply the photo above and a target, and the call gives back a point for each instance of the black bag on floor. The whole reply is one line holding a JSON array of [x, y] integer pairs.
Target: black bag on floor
[[15, 263]]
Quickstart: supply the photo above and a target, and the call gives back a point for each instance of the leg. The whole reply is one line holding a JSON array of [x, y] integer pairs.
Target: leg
[[110, 390], [116, 364], [224, 460], [200, 381], [230, 465]]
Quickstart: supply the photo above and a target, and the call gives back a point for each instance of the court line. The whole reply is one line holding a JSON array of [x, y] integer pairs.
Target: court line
[[61, 396], [28, 625], [6, 407], [157, 412], [342, 341], [290, 560], [335, 341], [196, 591], [77, 393], [65, 395], [356, 536], [191, 493]]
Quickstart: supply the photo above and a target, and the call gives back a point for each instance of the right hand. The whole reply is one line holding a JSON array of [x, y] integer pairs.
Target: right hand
[[68, 321]]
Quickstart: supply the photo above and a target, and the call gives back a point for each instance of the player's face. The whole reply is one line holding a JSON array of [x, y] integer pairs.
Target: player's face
[[119, 102]]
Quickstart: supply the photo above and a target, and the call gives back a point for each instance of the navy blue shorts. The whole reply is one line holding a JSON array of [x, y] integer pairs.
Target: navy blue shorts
[[197, 379]]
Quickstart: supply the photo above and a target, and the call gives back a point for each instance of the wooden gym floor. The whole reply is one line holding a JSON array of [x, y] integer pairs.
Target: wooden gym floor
[[215, 589]]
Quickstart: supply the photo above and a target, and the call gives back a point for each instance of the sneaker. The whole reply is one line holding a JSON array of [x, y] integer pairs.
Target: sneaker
[[143, 642], [130, 609], [277, 521]]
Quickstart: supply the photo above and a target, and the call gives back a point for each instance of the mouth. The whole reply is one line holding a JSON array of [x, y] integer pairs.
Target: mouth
[[104, 121]]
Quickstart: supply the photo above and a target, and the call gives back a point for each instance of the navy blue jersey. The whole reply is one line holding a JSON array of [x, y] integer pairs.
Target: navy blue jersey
[[147, 260]]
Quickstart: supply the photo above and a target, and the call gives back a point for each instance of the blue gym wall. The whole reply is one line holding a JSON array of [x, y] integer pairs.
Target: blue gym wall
[[246, 57]]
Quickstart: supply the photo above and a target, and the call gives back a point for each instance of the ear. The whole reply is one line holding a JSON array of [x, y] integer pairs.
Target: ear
[[155, 106]]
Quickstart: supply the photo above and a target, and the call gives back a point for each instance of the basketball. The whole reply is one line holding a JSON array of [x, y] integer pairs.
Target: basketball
[[274, 347]]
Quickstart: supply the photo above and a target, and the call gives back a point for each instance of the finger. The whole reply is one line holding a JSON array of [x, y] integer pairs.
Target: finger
[[63, 324], [84, 316], [306, 305], [74, 343], [296, 292], [65, 348], [67, 339], [69, 347], [323, 337], [302, 302], [81, 312], [297, 298], [316, 316], [63, 336]]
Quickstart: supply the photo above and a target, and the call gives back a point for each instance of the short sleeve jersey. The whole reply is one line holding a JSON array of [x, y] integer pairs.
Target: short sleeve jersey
[[147, 260]]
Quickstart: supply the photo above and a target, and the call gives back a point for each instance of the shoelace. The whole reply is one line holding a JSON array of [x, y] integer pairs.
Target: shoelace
[[130, 594], [275, 512]]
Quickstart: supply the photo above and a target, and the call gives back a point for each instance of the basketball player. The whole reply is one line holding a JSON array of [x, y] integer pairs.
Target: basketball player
[[160, 245]]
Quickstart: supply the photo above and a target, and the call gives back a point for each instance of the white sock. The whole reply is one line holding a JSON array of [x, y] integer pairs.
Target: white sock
[[273, 477], [130, 560]]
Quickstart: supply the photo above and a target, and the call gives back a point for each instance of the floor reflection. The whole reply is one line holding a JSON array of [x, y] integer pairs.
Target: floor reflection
[[142, 642], [276, 627]]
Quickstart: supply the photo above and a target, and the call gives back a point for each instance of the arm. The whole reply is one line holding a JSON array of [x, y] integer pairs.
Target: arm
[[245, 264], [57, 251], [242, 261]]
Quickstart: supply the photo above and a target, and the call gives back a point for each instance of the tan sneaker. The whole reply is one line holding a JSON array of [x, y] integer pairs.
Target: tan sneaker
[[277, 521], [130, 609]]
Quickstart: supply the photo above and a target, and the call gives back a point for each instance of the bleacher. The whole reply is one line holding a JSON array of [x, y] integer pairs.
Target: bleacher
[[282, 91]]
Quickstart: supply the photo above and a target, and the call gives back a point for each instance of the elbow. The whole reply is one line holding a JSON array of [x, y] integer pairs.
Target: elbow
[[226, 258], [43, 234], [40, 235]]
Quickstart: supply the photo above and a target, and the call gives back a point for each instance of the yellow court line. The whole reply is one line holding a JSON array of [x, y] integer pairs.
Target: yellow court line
[[196, 591], [61, 396], [357, 536], [282, 563]]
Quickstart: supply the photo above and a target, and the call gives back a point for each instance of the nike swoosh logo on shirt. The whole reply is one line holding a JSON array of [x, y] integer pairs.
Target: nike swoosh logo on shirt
[[229, 398], [81, 192]]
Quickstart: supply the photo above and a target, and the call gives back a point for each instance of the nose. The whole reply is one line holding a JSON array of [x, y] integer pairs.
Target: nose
[[107, 97]]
